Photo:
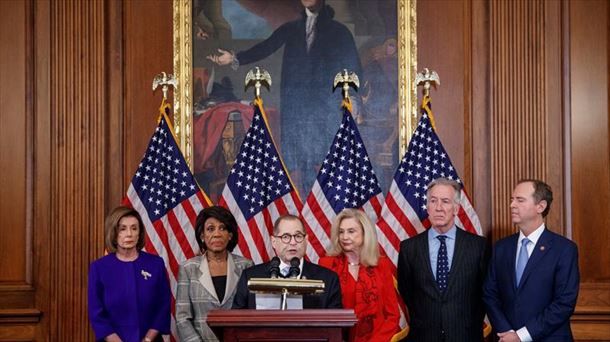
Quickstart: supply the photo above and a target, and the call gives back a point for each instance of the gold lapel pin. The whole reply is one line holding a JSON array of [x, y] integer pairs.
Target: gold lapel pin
[[542, 248]]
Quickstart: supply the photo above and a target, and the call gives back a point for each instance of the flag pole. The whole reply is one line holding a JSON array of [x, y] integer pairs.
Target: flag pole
[[427, 78]]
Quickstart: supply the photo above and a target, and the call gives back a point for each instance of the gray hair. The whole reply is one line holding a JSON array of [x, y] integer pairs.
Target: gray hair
[[449, 182]]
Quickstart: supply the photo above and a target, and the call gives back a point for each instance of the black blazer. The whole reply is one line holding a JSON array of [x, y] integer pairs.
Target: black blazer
[[456, 315], [330, 299]]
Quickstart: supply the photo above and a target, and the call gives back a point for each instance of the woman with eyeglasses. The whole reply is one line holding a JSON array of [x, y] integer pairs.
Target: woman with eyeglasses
[[207, 281], [366, 278]]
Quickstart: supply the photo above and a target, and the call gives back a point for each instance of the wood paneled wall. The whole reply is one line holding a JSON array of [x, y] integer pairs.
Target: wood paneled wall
[[528, 81], [526, 120], [589, 162], [524, 94], [76, 105], [78, 126], [18, 151]]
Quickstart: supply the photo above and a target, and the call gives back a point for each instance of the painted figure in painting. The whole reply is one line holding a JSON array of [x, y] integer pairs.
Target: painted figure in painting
[[316, 47], [303, 44]]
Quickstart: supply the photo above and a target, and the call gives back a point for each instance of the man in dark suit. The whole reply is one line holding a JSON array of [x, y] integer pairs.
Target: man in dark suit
[[441, 273], [532, 285], [289, 240]]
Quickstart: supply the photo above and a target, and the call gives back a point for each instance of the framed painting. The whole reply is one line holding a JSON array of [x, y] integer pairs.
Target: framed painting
[[303, 44]]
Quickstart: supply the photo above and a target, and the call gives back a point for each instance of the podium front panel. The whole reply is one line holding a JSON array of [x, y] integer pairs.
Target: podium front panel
[[311, 325]]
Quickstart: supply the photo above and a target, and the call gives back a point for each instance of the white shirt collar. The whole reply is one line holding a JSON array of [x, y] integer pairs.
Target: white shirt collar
[[310, 13], [533, 237], [284, 265], [450, 234]]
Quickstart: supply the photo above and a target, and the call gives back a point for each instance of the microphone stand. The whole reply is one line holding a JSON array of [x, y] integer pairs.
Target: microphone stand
[[284, 302]]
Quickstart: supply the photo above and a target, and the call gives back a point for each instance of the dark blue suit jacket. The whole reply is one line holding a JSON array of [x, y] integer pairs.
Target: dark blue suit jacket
[[545, 299], [330, 299]]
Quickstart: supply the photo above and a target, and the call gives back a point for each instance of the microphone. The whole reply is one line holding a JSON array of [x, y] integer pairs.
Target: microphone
[[274, 267], [294, 270]]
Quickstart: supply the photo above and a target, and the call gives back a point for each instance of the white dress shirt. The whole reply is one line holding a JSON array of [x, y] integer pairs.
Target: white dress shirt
[[310, 24]]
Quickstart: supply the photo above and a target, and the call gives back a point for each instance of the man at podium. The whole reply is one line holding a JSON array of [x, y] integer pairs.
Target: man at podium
[[290, 242]]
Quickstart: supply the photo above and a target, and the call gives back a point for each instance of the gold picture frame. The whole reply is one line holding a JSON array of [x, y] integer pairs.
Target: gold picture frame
[[183, 71]]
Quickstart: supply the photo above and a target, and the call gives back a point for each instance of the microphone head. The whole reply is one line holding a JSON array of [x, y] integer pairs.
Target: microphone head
[[274, 267], [294, 270], [275, 261], [295, 262]]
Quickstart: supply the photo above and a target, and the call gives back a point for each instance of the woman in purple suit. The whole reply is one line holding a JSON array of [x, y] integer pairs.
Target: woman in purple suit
[[129, 295]]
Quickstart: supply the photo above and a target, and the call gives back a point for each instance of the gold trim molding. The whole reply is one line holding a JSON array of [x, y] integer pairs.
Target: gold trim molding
[[407, 69]]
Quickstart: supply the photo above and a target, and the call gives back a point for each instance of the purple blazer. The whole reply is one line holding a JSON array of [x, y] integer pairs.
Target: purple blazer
[[128, 298]]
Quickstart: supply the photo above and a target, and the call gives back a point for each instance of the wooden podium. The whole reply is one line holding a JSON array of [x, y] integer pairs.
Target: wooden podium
[[331, 325]]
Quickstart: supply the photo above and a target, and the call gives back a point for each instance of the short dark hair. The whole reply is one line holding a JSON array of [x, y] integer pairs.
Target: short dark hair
[[111, 227], [542, 192], [225, 217], [287, 217]]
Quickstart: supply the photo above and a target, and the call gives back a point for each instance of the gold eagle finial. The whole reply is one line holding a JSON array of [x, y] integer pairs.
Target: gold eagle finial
[[426, 77], [346, 79], [164, 80], [257, 77]]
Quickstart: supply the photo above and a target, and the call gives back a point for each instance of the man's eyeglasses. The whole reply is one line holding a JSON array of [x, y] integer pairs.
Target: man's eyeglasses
[[298, 238]]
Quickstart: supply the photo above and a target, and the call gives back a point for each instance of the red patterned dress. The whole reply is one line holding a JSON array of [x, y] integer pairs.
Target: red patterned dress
[[372, 297]]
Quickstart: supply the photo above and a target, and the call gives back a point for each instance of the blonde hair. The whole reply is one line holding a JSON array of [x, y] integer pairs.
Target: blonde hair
[[369, 253]]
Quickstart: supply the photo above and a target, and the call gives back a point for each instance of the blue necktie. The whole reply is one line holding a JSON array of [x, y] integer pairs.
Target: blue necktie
[[522, 260], [442, 265]]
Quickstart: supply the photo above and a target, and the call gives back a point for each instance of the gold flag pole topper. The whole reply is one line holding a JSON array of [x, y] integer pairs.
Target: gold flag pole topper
[[165, 81], [426, 77], [257, 77], [346, 79]]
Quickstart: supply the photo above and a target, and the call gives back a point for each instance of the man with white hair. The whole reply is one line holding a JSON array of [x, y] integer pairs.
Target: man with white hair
[[441, 273]]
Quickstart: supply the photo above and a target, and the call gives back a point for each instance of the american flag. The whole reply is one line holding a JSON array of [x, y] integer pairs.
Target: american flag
[[346, 180], [166, 195], [404, 211], [258, 189]]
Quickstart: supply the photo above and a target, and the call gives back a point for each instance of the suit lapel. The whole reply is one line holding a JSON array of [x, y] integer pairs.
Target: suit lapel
[[306, 274], [512, 256], [231, 277], [425, 254], [541, 249], [306, 270], [301, 29], [458, 255], [205, 279]]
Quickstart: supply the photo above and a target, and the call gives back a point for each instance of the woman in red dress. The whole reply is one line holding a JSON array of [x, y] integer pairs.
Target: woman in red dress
[[367, 285]]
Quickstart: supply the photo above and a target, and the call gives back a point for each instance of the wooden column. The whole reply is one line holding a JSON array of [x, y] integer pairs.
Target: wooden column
[[78, 126], [590, 163], [526, 120]]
